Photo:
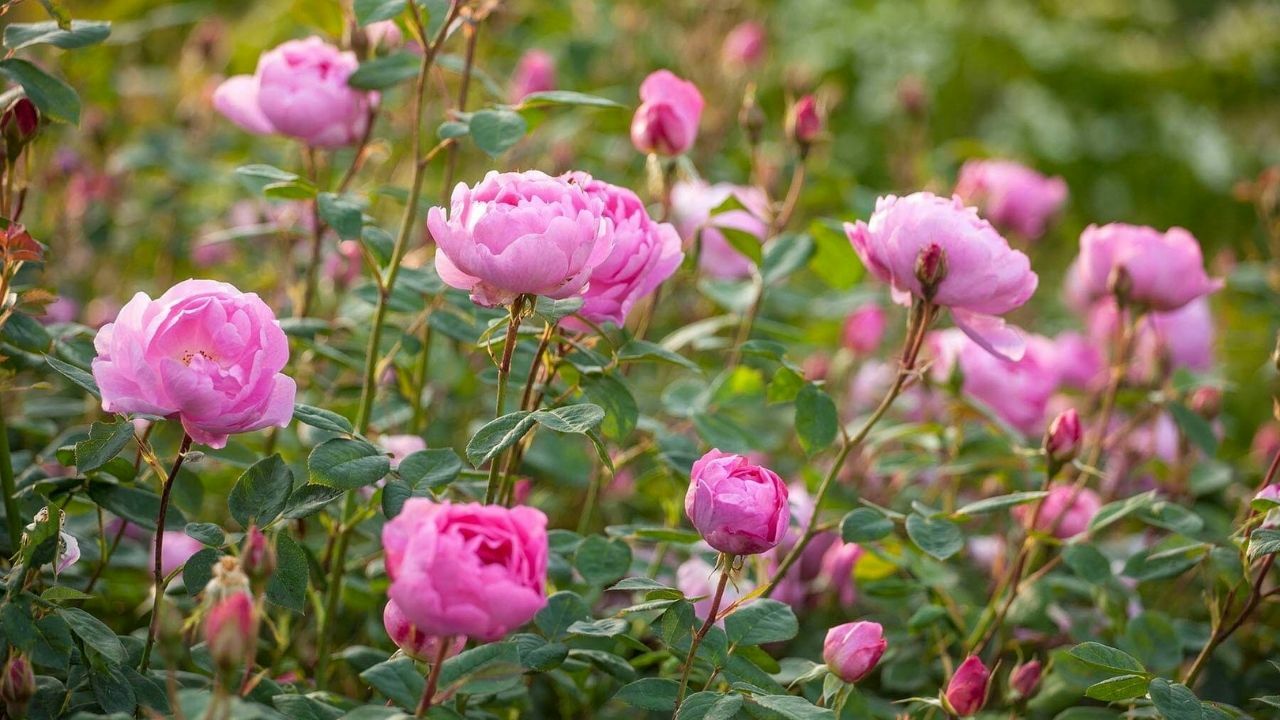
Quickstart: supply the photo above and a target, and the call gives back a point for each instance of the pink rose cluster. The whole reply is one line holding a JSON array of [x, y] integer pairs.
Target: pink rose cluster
[[204, 353], [1018, 392]]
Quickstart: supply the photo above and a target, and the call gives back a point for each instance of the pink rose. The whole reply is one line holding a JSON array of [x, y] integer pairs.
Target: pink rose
[[1080, 360], [415, 643], [743, 46], [1178, 339], [981, 276], [62, 310], [1065, 510], [696, 578], [967, 691], [1165, 270], [519, 233], [383, 35], [469, 569], [864, 329], [838, 564], [852, 650], [692, 203], [1012, 195], [300, 90], [1017, 392], [230, 630], [401, 446], [804, 121], [1025, 678], [536, 72], [738, 507], [667, 120], [1062, 439], [203, 352], [645, 253], [176, 550]]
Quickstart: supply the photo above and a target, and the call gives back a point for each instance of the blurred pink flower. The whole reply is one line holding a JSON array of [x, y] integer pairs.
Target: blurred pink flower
[[697, 578], [1012, 195], [666, 122], [864, 329], [1066, 510], [743, 46], [177, 549], [1017, 392], [692, 203], [536, 72], [1165, 270]]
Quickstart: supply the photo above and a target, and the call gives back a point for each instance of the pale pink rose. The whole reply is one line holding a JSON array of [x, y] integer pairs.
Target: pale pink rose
[[204, 353], [743, 46], [62, 310], [1165, 269], [864, 329], [230, 630], [667, 120], [1066, 511], [401, 446], [696, 578], [299, 90], [176, 550], [536, 72], [981, 276], [738, 507], [967, 690], [852, 650], [692, 203], [384, 35], [520, 233], [1017, 392], [1179, 339], [466, 569], [415, 643], [838, 564], [1081, 361], [645, 253], [1012, 195]]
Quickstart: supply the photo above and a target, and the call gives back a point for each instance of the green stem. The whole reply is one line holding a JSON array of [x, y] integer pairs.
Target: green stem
[[11, 520], [504, 372], [157, 566], [726, 566], [420, 381]]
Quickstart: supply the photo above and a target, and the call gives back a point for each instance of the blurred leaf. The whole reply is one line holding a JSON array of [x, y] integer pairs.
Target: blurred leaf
[[744, 242], [816, 419], [56, 11], [384, 72], [341, 214], [111, 688], [105, 441], [25, 333], [1195, 428], [708, 705], [565, 97], [347, 464], [75, 375], [1107, 658], [761, 621], [197, 571], [611, 394], [430, 469], [1153, 640], [495, 131], [834, 259], [792, 707], [936, 536], [653, 694], [136, 505], [371, 11], [642, 350], [1087, 562], [786, 255], [55, 99], [999, 502], [1123, 687], [563, 609], [207, 533], [93, 633], [865, 525], [1115, 511], [604, 627], [81, 34]]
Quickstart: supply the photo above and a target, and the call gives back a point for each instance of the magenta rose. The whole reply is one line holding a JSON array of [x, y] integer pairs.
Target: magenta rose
[[645, 253], [416, 644], [536, 72], [520, 233], [1012, 195], [852, 650], [667, 120], [738, 507], [203, 352], [300, 90], [469, 569], [1017, 392], [1165, 269], [692, 203], [981, 276], [1066, 511]]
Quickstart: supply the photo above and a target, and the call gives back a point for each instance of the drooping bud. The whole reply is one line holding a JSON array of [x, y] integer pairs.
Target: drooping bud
[[931, 269], [258, 556], [967, 691], [804, 122], [230, 630], [1206, 402], [751, 117], [17, 686], [1025, 678], [19, 125], [1062, 439]]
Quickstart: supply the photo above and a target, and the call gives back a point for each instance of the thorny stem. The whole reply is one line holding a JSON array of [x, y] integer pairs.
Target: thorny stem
[[157, 568], [433, 678], [726, 567], [504, 371]]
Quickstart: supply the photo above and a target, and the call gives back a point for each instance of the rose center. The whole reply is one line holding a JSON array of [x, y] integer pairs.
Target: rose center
[[190, 355]]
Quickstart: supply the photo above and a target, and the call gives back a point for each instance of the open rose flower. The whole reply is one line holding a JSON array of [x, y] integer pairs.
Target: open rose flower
[[737, 506], [1165, 269], [667, 120], [692, 203], [1012, 195], [1018, 392], [981, 276], [520, 233], [203, 352], [300, 90], [645, 253], [466, 569]]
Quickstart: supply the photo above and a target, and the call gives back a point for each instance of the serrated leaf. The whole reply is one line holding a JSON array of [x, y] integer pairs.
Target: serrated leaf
[[495, 131], [288, 584], [347, 464], [1107, 658], [1174, 700], [320, 418], [563, 609], [207, 533], [93, 633], [261, 493], [55, 99], [105, 441], [710, 706], [761, 621], [654, 694], [816, 419], [1122, 687], [498, 435], [601, 561], [938, 537], [309, 499]]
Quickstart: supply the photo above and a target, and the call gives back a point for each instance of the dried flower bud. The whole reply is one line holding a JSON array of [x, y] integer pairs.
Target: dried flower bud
[[228, 579]]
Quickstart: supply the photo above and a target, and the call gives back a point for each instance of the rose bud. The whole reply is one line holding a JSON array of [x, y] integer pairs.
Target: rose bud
[[415, 643], [967, 691], [17, 686], [1062, 439], [19, 125], [666, 122], [536, 72], [852, 650], [1025, 678], [804, 122], [230, 630], [1206, 402], [258, 557], [738, 507], [743, 46]]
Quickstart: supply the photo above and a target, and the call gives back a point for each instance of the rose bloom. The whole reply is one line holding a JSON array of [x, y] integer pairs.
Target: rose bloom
[[401, 447], [743, 46], [864, 329], [466, 569], [1165, 270], [697, 578], [1080, 361], [203, 352], [1012, 195], [852, 650], [415, 643], [177, 549], [299, 90], [536, 72], [984, 277], [1065, 511], [692, 203], [1179, 339], [1017, 392], [666, 122], [519, 233], [645, 253], [738, 507]]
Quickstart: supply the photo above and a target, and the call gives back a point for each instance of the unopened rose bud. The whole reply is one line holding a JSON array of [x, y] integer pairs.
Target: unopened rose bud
[[17, 687], [1206, 402], [19, 125], [751, 117], [931, 269], [804, 121], [1025, 678], [415, 643], [852, 650], [967, 691], [258, 557], [1062, 439], [230, 631]]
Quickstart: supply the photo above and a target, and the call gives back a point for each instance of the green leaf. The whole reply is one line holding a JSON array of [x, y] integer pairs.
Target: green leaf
[[565, 97], [654, 694], [26, 333], [347, 464], [1152, 639], [485, 669], [384, 72], [498, 435], [1160, 564], [1107, 658], [136, 505], [1087, 562], [641, 584], [834, 259], [865, 525], [55, 99], [1174, 700], [1121, 687], [371, 11], [83, 33], [786, 255], [611, 394], [288, 584], [761, 621], [557, 310], [261, 493], [111, 688], [75, 375], [793, 708], [197, 571], [987, 505], [398, 679], [1115, 511], [563, 609], [495, 131], [430, 469], [342, 214], [581, 418], [816, 419], [321, 418], [207, 533], [938, 537], [61, 593], [309, 499], [293, 190], [93, 633], [105, 441], [744, 242], [1195, 428], [707, 705], [601, 561], [604, 627], [643, 350], [1264, 542], [57, 12]]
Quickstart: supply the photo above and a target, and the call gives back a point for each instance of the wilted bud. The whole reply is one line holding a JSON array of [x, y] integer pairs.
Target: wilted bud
[[1206, 402], [17, 686], [931, 269], [230, 631], [967, 691], [258, 556], [1062, 439], [1025, 678], [1120, 284], [19, 125], [750, 116], [804, 121]]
